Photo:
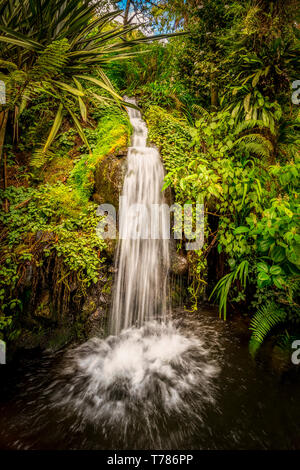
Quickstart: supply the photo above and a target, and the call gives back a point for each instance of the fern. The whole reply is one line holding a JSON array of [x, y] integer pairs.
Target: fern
[[222, 288], [40, 157], [255, 143], [263, 322], [250, 124], [5, 64], [285, 342], [200, 111], [51, 61]]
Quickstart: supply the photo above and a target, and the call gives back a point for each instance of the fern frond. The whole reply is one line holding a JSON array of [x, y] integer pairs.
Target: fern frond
[[51, 60], [257, 149], [197, 109], [250, 124], [255, 143], [39, 157], [265, 319], [5, 64], [222, 288]]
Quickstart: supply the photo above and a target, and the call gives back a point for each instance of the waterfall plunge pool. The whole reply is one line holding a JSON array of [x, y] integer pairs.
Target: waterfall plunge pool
[[188, 384]]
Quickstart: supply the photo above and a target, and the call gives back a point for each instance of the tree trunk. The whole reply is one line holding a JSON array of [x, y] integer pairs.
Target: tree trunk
[[214, 99], [5, 182], [126, 13], [3, 123]]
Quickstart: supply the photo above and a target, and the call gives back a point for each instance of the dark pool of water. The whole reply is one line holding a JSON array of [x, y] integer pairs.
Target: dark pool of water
[[253, 407]]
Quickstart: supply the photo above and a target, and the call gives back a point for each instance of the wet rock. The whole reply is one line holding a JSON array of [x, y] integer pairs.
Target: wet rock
[[28, 275], [96, 306], [109, 177], [110, 248], [178, 262], [44, 307], [96, 315], [169, 198], [112, 269], [89, 307], [97, 322]]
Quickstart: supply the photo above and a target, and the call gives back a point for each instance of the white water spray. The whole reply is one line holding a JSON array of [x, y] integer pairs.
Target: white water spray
[[147, 387]]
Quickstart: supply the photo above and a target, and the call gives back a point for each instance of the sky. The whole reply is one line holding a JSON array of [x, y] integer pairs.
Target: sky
[[139, 19]]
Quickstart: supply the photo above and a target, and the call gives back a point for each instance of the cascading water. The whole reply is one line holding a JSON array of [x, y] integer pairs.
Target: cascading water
[[142, 261], [148, 384]]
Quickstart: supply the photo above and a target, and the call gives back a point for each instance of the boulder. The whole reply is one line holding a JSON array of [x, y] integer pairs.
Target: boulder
[[109, 177], [178, 262]]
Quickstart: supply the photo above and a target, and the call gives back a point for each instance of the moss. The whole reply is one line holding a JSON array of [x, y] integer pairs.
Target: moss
[[65, 199], [50, 244], [45, 338], [60, 338], [109, 176], [58, 169], [111, 135]]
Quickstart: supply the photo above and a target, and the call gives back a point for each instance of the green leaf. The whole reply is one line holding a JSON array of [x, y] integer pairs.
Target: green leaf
[[241, 229], [264, 245], [279, 282], [247, 102], [263, 279], [82, 106], [256, 79], [70, 89], [262, 267], [79, 128], [277, 254], [54, 129], [275, 270], [17, 42], [101, 84], [236, 110]]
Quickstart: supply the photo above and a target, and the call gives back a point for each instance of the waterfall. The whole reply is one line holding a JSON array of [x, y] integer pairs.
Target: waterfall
[[136, 385], [142, 261]]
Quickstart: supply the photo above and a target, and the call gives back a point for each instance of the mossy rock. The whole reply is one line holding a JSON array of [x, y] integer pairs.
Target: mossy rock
[[178, 262], [58, 169], [88, 308], [44, 309], [109, 177]]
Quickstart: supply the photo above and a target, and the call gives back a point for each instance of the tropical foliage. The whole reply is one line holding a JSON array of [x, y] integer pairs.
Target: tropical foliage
[[218, 103], [58, 48], [235, 147]]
